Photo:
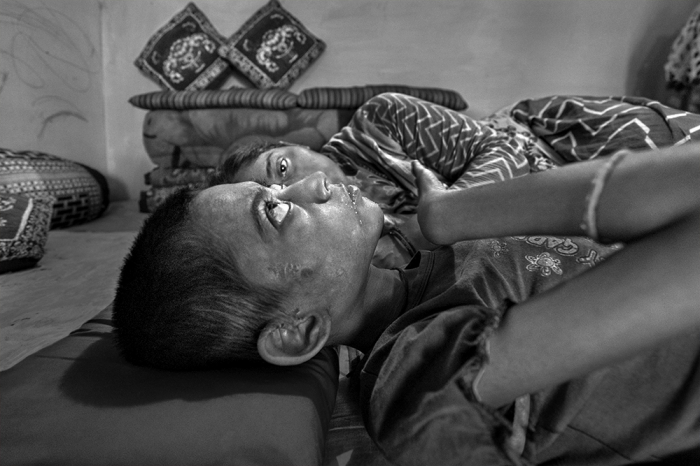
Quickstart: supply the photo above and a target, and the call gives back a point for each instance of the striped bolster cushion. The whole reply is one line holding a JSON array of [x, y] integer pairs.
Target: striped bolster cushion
[[275, 99], [354, 97], [80, 193]]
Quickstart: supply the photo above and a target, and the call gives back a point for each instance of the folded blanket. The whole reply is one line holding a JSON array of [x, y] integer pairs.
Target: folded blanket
[[197, 138]]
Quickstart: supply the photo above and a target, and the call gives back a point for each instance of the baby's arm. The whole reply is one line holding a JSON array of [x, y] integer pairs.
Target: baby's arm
[[645, 191], [635, 300]]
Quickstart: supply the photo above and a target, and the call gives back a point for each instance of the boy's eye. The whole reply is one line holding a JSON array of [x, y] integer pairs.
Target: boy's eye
[[276, 211]]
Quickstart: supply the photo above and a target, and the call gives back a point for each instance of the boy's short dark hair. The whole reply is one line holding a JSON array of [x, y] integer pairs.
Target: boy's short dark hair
[[181, 301], [238, 157]]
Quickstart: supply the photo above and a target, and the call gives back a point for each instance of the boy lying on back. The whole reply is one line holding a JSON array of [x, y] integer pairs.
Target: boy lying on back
[[489, 351]]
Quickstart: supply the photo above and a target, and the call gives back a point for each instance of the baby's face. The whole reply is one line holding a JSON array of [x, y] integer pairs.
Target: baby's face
[[314, 237], [289, 164]]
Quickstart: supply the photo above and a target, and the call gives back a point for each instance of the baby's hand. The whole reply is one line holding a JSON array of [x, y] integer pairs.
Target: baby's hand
[[432, 220]]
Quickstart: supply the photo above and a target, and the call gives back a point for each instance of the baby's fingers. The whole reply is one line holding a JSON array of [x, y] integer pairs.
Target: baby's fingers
[[431, 190], [426, 179]]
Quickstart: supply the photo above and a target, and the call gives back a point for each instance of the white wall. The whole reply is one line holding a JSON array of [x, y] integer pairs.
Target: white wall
[[51, 96], [493, 52]]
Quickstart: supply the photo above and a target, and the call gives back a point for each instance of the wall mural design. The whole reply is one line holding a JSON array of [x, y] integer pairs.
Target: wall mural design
[[50, 56]]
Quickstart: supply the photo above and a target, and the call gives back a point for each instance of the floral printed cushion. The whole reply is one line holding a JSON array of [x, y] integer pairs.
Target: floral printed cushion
[[182, 55], [272, 48], [24, 227]]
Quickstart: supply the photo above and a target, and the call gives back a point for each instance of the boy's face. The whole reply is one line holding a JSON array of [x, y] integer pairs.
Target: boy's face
[[314, 238], [289, 164]]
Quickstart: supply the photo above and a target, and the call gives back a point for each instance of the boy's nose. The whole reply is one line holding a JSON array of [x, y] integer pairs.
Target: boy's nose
[[314, 188]]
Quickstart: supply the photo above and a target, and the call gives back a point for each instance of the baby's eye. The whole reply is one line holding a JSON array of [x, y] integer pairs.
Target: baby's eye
[[277, 211], [284, 166]]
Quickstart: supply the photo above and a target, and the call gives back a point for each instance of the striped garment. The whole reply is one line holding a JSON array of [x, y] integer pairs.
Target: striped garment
[[391, 130], [575, 128]]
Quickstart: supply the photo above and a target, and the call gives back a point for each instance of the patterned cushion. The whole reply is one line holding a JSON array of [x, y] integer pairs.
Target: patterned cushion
[[78, 402], [81, 192], [183, 53], [272, 48], [354, 97], [275, 99], [24, 227], [682, 68]]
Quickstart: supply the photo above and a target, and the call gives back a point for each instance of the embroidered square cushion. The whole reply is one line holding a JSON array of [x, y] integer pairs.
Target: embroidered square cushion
[[24, 228], [81, 193], [182, 55], [272, 49]]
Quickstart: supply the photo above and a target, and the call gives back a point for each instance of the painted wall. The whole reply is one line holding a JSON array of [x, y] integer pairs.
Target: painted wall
[[493, 52], [51, 86]]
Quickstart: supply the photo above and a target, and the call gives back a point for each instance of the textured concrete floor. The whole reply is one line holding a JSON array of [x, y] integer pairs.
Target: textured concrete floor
[[73, 282]]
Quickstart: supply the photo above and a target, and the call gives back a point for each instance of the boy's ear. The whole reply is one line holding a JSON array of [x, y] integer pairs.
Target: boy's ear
[[294, 340]]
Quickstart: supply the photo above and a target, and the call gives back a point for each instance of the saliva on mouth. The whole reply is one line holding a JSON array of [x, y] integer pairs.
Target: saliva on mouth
[[353, 193]]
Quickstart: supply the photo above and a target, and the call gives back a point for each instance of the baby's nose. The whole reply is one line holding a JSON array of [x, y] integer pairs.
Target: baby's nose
[[314, 188]]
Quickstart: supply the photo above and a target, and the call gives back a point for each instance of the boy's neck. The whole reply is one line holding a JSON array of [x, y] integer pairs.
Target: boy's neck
[[384, 299]]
